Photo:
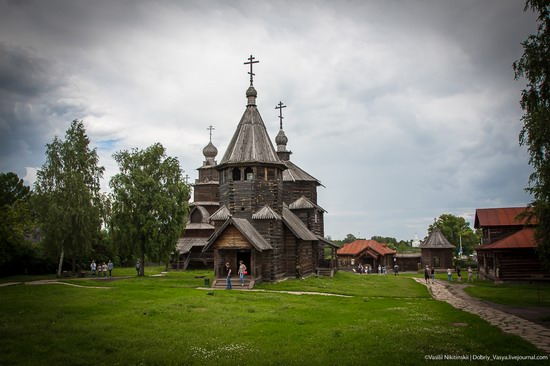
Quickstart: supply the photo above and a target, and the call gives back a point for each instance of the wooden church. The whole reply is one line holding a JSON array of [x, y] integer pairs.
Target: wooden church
[[256, 206]]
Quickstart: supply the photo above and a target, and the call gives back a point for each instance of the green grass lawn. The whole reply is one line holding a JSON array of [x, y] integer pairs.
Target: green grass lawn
[[167, 321], [511, 294]]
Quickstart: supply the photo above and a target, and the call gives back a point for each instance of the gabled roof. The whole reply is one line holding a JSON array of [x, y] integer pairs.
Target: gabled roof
[[373, 247], [304, 203], [221, 214], [506, 216], [251, 143], [295, 173], [246, 229], [297, 226], [436, 240], [521, 239], [266, 213]]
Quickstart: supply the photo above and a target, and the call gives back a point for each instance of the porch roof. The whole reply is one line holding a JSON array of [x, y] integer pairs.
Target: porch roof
[[522, 239], [246, 229], [184, 245]]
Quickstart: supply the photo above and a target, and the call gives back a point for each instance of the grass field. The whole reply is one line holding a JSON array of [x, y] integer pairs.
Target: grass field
[[168, 321]]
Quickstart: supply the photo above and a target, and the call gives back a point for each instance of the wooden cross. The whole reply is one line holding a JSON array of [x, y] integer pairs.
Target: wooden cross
[[280, 107], [210, 128], [251, 62]]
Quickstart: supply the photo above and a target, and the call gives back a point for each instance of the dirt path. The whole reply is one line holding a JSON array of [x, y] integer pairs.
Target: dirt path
[[536, 334]]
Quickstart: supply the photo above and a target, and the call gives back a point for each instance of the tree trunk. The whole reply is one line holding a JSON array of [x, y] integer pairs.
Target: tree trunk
[[60, 266]]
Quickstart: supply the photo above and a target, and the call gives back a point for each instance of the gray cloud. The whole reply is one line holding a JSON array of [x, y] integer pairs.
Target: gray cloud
[[404, 110]]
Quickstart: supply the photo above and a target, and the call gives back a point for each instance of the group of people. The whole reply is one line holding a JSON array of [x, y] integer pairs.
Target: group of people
[[429, 273], [101, 269], [381, 269], [242, 272]]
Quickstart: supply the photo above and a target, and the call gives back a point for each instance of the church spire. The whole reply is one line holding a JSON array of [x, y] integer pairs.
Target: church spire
[[251, 93]]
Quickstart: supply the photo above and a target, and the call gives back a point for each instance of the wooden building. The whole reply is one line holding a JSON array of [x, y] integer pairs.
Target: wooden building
[[263, 211], [436, 251], [365, 252], [507, 252]]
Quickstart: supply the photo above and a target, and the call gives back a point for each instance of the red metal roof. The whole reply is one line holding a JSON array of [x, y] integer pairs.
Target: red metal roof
[[521, 239], [359, 246], [487, 217]]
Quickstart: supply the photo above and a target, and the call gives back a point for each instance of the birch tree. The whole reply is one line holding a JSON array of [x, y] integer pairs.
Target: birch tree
[[149, 203], [69, 203]]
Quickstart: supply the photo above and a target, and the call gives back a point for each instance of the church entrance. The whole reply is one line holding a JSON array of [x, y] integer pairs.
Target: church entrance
[[245, 257]]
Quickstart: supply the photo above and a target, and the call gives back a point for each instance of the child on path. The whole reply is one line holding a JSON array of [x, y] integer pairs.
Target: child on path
[[449, 275], [427, 274], [470, 274]]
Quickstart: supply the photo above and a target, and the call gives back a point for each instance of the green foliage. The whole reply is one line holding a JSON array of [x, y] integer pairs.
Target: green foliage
[[19, 250], [149, 203], [534, 65], [457, 229], [350, 238], [386, 240], [68, 197], [12, 189]]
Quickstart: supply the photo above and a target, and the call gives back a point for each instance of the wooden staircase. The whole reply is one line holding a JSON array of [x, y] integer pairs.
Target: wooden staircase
[[220, 283]]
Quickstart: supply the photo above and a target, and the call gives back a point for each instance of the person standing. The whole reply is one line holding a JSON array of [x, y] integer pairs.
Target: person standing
[[228, 278], [459, 273], [470, 274], [432, 272], [104, 268], [99, 270], [427, 274], [93, 267], [449, 275], [242, 271], [110, 267], [396, 270], [138, 267]]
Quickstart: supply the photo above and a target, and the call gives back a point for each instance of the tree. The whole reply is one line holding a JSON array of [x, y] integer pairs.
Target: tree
[[534, 65], [15, 222], [350, 238], [69, 203], [456, 230], [149, 203]]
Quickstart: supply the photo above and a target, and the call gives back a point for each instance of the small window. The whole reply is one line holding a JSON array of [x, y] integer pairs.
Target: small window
[[236, 174], [249, 173], [436, 262]]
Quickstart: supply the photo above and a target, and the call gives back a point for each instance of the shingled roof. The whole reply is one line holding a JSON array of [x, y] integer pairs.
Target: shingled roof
[[294, 173], [246, 229], [436, 240], [251, 143]]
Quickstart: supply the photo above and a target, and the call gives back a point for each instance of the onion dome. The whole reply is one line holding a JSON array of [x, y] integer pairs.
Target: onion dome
[[251, 95], [281, 140], [210, 151]]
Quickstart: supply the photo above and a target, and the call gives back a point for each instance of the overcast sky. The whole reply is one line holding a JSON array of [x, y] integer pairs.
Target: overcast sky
[[404, 110]]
